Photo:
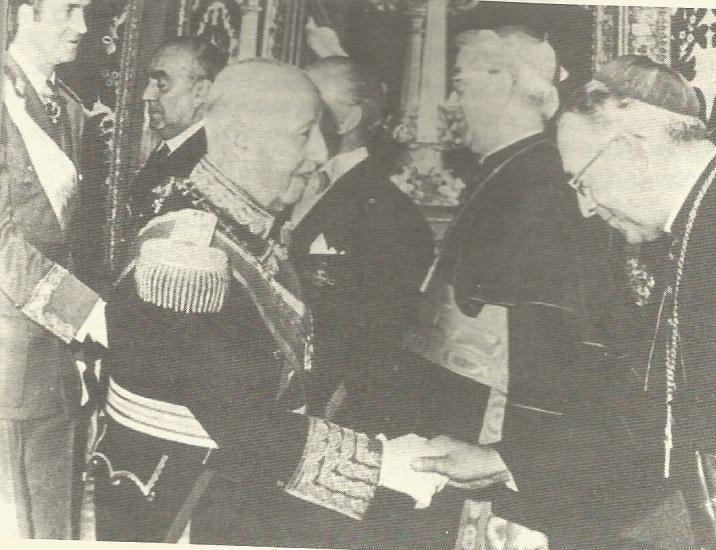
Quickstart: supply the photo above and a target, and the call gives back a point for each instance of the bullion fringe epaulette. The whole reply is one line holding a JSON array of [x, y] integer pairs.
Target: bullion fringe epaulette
[[181, 277], [339, 469]]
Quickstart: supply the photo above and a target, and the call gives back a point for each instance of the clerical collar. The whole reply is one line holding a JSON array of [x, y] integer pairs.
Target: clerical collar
[[227, 196], [498, 156], [339, 165], [684, 200], [37, 80], [177, 141]]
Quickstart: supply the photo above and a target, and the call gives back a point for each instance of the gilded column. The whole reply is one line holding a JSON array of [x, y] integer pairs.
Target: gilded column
[[249, 33]]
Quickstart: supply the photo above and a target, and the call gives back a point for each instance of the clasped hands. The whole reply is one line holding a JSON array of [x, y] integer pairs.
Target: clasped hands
[[420, 468]]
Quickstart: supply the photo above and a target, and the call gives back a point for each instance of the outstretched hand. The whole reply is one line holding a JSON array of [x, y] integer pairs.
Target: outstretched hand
[[397, 475], [464, 464]]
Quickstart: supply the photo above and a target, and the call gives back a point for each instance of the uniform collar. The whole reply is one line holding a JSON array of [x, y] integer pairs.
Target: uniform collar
[[177, 141], [36, 79], [342, 163], [230, 200]]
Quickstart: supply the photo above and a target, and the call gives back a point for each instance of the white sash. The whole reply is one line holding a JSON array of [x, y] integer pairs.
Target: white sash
[[55, 170]]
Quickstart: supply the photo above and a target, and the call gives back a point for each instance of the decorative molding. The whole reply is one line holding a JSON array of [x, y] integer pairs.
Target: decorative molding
[[124, 136], [638, 30], [693, 51], [219, 21], [650, 32]]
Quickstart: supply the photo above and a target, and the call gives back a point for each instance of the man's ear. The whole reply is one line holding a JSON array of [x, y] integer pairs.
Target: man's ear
[[200, 92], [350, 122]]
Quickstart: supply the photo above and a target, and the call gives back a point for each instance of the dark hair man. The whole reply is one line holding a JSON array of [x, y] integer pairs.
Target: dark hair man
[[42, 305], [180, 76]]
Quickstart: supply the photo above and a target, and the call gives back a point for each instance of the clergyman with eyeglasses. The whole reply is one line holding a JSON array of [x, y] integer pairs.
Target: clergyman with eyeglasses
[[643, 163]]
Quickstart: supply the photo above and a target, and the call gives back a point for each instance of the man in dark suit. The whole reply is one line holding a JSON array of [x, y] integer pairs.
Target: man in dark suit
[[643, 163], [43, 306], [180, 76], [360, 245]]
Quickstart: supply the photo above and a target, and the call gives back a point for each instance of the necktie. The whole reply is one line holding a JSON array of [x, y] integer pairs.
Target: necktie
[[56, 109]]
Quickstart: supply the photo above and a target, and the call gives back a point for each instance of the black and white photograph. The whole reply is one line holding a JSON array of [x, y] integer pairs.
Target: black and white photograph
[[358, 274]]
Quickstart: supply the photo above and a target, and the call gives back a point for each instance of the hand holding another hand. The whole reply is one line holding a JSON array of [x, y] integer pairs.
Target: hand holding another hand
[[466, 465], [396, 472]]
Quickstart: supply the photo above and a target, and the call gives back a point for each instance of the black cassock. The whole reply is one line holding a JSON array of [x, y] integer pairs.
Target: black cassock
[[508, 351]]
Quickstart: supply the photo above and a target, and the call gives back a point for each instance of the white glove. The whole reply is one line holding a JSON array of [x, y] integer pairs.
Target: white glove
[[95, 325], [396, 473]]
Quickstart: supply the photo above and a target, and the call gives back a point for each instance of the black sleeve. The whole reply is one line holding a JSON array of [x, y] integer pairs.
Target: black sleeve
[[526, 254]]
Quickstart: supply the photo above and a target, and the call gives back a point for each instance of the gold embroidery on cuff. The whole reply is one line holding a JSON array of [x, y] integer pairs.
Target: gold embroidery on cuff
[[36, 306], [339, 469]]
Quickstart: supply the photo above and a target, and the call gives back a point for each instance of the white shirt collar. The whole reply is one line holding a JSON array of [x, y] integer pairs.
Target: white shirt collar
[[179, 140], [338, 165], [674, 214], [36, 78]]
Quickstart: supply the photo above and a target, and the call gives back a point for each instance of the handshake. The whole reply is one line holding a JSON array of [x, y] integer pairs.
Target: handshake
[[420, 468]]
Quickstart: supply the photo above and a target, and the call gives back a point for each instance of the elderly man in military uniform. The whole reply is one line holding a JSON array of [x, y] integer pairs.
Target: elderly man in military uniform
[[43, 306], [210, 343]]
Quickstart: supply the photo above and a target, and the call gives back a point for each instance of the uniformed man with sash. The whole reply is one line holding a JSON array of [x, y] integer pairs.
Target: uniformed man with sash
[[210, 345]]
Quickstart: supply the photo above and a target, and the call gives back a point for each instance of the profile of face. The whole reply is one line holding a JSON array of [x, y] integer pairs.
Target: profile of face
[[173, 95], [286, 146], [55, 32], [611, 176], [342, 114], [481, 90], [301, 151]]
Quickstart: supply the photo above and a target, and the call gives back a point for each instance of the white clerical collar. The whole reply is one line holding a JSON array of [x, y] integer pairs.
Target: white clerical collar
[[177, 141], [36, 78], [339, 165], [511, 142], [679, 205]]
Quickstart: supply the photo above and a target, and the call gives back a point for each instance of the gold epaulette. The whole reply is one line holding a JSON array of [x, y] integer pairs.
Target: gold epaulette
[[182, 277]]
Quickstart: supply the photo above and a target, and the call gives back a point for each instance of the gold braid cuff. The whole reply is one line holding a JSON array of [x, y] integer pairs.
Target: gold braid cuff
[[339, 469]]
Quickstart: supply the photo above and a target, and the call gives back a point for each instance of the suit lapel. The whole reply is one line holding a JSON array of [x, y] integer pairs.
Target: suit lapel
[[329, 212], [33, 104], [76, 117]]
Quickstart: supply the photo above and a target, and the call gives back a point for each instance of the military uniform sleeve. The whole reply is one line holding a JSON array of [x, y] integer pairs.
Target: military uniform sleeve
[[44, 291], [311, 459]]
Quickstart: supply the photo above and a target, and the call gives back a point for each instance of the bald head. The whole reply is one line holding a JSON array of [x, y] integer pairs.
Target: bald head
[[262, 125], [259, 88]]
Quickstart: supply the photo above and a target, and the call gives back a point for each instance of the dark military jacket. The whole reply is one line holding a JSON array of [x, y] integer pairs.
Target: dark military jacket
[[238, 373]]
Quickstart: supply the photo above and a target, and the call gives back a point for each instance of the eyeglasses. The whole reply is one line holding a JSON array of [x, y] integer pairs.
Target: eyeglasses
[[576, 182]]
